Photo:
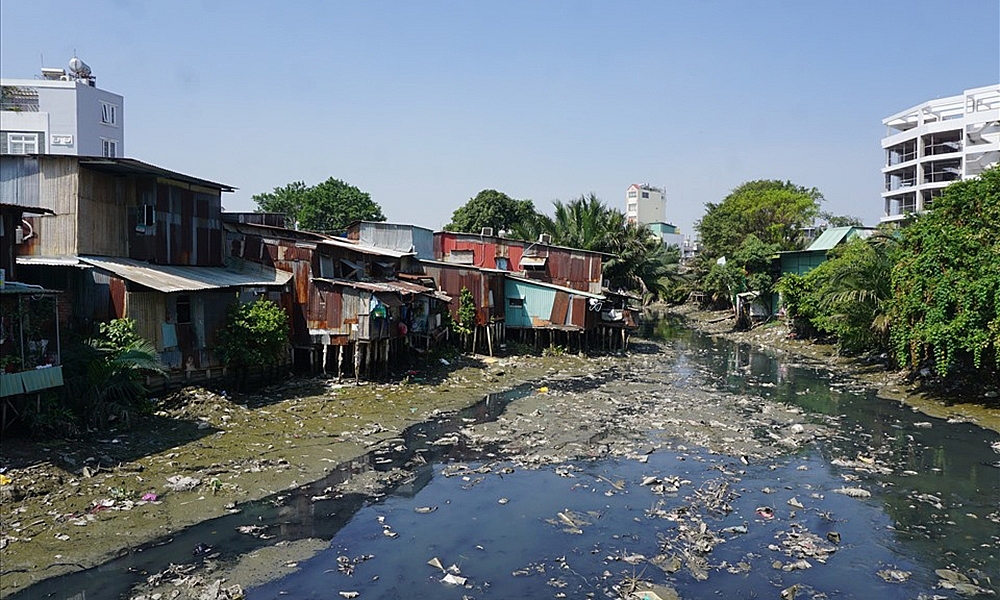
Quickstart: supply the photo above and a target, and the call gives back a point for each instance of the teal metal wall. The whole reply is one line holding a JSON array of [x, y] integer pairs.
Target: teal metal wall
[[538, 303]]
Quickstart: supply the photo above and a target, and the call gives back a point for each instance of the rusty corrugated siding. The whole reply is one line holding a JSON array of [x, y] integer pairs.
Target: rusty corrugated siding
[[559, 308], [117, 297], [578, 312]]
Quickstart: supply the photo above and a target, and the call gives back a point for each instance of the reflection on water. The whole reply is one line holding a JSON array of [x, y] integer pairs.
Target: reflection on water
[[934, 485]]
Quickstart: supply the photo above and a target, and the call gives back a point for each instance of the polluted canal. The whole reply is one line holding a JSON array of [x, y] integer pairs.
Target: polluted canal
[[696, 469]]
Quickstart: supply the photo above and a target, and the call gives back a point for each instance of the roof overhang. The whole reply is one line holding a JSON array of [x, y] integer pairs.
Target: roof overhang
[[554, 286], [176, 278], [131, 166]]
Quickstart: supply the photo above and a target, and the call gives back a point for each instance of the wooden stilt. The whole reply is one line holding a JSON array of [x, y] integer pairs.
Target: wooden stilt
[[489, 338], [340, 362], [326, 350], [357, 362]]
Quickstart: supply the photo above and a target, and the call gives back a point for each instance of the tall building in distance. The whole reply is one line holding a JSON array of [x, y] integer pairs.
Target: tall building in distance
[[61, 112], [645, 204], [935, 143]]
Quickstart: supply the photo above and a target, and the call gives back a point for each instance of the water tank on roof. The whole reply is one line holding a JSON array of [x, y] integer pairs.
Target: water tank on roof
[[79, 68]]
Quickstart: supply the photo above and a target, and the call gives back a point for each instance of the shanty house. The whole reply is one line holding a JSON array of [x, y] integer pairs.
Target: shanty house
[[541, 261], [30, 353], [346, 297], [131, 240]]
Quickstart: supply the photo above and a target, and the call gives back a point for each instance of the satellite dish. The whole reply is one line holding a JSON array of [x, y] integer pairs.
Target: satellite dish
[[79, 68]]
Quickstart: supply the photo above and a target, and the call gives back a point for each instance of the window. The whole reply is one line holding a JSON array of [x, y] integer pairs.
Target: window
[[22, 143], [184, 309], [631, 193], [515, 302], [110, 147], [645, 194], [109, 114], [146, 216]]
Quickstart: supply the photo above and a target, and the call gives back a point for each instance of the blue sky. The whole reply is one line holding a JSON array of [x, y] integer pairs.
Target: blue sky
[[424, 104]]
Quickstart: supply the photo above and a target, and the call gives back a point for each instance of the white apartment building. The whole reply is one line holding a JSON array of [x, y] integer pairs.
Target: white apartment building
[[645, 204], [61, 113], [935, 143]]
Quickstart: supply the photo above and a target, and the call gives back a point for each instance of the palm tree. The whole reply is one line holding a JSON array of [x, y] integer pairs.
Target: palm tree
[[638, 261], [858, 290]]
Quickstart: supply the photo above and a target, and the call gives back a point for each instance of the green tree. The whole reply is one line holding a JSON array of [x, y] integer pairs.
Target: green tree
[[255, 334], [490, 208], [776, 212], [329, 206], [834, 220], [945, 308]]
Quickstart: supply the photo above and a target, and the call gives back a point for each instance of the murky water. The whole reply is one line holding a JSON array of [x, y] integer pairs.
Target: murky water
[[721, 528]]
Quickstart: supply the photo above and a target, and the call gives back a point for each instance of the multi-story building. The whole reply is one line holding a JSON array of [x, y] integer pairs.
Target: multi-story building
[[61, 113], [935, 143], [645, 204]]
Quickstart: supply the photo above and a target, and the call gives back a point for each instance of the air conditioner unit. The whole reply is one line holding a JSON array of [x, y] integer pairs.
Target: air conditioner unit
[[488, 231], [544, 238]]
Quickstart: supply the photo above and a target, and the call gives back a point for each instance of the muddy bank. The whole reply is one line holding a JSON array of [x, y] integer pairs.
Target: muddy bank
[[68, 505], [981, 407]]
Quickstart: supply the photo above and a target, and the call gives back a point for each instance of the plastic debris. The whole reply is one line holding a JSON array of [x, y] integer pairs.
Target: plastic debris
[[765, 512], [453, 579], [181, 483], [894, 575]]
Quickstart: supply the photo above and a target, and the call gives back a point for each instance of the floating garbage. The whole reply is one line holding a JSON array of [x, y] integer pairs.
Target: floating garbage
[[765, 512], [894, 575], [853, 492], [453, 579]]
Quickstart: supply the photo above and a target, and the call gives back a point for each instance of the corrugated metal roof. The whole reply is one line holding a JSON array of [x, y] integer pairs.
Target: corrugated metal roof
[[121, 166], [830, 238], [36, 210], [50, 261], [16, 287], [401, 287], [364, 249], [533, 261], [175, 278], [546, 284]]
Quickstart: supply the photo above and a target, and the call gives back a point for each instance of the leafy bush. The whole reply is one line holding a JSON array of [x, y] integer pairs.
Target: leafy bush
[[255, 334], [104, 378], [945, 308]]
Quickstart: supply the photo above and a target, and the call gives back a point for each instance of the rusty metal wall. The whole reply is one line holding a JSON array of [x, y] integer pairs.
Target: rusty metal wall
[[451, 280]]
